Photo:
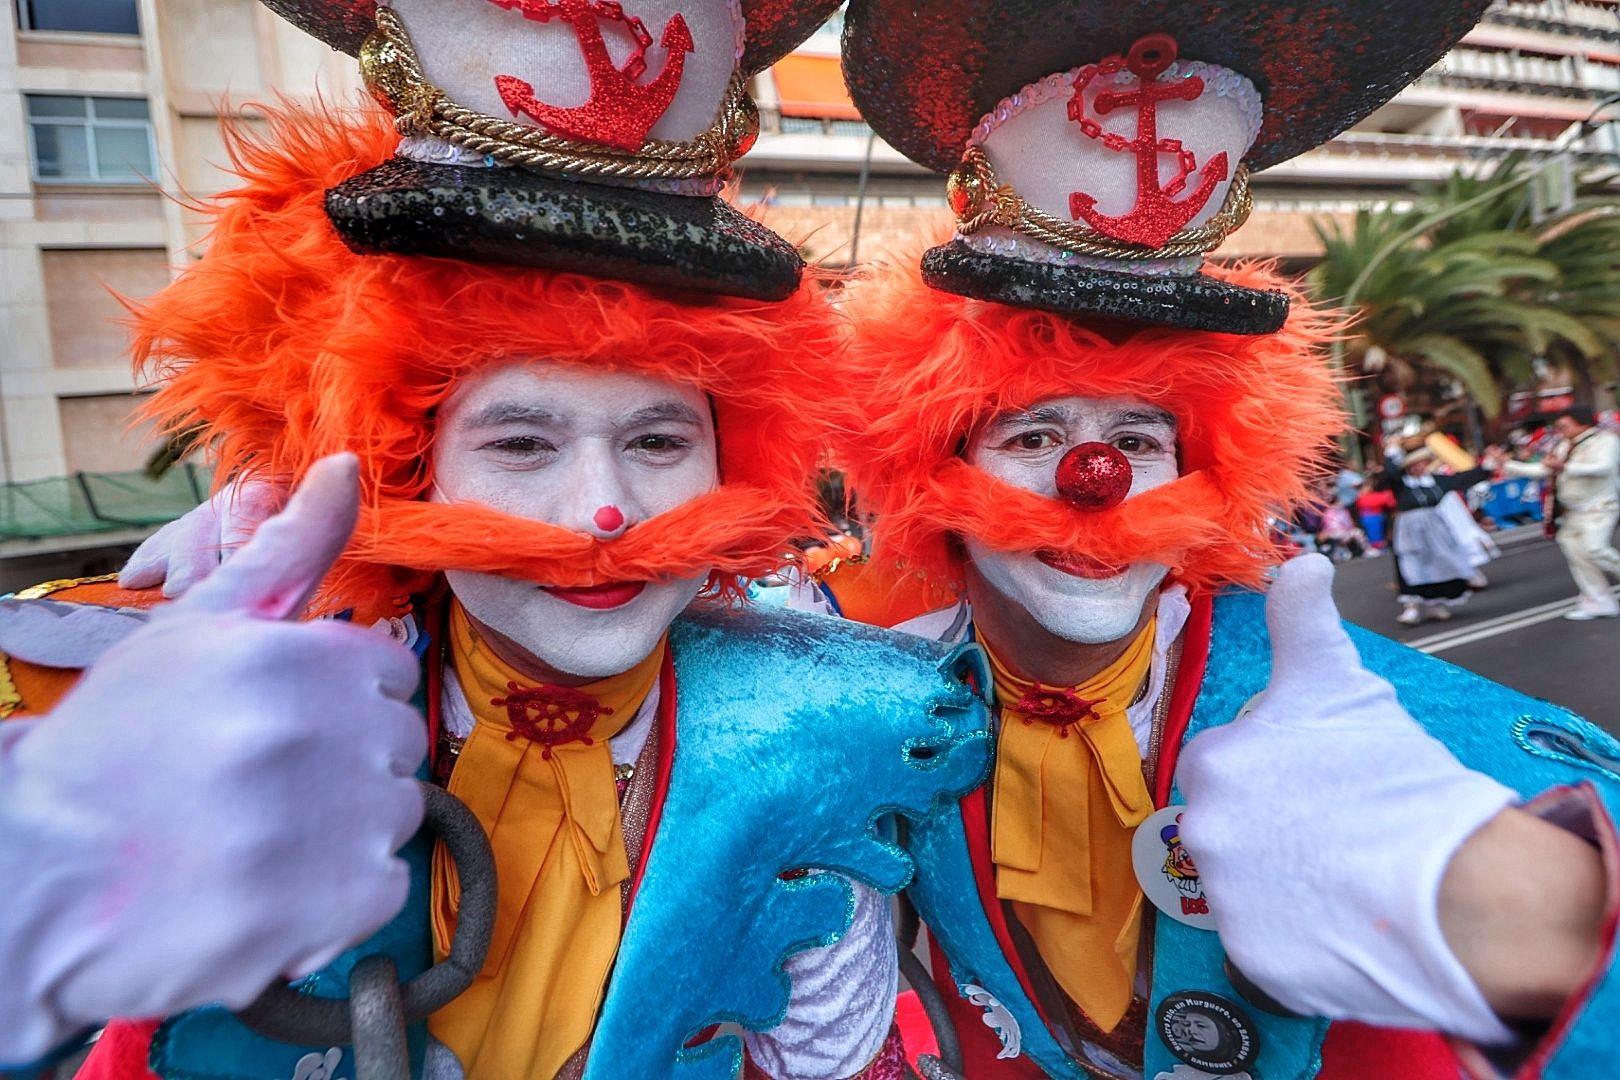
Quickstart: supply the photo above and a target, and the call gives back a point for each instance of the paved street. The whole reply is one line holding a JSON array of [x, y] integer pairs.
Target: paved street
[[1512, 632]]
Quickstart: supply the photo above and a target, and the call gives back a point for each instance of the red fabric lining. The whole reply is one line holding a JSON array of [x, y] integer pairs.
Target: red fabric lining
[[1195, 641], [976, 824]]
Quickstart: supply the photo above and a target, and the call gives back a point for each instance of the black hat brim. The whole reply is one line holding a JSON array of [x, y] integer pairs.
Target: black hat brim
[[924, 72], [520, 218], [774, 27], [1197, 302]]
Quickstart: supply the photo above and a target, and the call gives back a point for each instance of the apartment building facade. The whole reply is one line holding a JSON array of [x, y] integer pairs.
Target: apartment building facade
[[109, 119]]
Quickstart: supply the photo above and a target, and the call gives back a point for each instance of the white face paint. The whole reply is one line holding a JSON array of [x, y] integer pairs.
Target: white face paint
[[595, 452], [1023, 448]]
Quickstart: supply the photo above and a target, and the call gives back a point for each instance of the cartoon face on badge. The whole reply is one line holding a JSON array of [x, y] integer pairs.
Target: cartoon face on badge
[[1181, 872]]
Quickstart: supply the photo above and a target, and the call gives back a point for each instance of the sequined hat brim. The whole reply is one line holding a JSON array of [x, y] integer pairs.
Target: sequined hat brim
[[522, 218], [924, 73], [1197, 302], [775, 27]]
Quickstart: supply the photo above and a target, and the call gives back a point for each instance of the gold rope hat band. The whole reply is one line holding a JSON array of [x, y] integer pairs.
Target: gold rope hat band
[[393, 72], [979, 201]]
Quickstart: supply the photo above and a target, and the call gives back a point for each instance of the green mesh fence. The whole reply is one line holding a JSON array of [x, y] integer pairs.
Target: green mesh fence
[[97, 502]]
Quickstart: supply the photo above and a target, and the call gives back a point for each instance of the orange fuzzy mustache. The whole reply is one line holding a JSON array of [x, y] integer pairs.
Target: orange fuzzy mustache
[[722, 532], [1187, 524]]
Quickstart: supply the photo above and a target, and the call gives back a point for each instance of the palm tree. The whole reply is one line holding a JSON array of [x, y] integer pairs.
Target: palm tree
[[1483, 293], [1451, 308]]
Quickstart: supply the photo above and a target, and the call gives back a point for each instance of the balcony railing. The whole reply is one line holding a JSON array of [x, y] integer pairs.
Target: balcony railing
[[1469, 146], [1567, 17], [1534, 74]]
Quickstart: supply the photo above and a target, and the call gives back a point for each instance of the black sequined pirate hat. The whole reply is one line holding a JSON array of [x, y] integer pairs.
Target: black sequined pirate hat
[[588, 135], [1098, 149]]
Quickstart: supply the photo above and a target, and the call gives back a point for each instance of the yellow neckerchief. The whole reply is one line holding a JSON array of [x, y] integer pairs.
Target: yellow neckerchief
[[537, 771], [1068, 794]]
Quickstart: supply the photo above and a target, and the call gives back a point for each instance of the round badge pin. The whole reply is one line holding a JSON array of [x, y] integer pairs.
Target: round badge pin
[[1166, 872], [1208, 1032]]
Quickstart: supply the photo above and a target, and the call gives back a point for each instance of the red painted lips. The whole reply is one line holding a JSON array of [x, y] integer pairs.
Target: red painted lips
[[1080, 566], [600, 597]]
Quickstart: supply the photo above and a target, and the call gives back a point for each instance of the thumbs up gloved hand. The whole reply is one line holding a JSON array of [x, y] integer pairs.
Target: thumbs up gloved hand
[[217, 803], [1323, 822]]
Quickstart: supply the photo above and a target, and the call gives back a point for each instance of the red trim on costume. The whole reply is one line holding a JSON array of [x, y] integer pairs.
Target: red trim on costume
[[979, 1045], [976, 824], [1195, 642], [121, 1053], [666, 760], [890, 1061]]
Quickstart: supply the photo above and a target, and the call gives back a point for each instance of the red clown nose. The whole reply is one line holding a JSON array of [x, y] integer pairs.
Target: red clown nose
[[1094, 476]]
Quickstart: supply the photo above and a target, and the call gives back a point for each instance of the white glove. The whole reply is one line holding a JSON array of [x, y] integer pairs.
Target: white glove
[[188, 549], [1322, 822], [217, 803]]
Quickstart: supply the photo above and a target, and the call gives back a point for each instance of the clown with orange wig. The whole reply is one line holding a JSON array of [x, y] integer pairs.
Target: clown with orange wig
[[1070, 439], [546, 428]]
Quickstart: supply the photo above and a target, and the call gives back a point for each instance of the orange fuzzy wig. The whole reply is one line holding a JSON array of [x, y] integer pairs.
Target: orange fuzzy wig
[[281, 346], [927, 368]]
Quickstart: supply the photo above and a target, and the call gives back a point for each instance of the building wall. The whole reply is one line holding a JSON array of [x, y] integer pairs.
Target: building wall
[[66, 391]]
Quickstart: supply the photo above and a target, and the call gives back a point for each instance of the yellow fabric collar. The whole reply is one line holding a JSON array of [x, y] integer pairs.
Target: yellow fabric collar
[[537, 772], [1069, 793]]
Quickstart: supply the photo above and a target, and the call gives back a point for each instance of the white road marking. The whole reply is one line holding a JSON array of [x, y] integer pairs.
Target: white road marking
[[1502, 624]]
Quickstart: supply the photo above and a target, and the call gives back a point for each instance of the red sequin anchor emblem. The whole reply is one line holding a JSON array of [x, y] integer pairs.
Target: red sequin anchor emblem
[[1157, 215], [550, 715], [621, 110], [1061, 708]]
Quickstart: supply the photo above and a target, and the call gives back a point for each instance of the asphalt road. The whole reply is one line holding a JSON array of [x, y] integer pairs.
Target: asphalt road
[[1513, 632]]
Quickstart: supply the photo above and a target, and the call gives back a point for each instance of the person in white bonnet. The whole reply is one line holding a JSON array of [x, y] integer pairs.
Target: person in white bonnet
[[1432, 568]]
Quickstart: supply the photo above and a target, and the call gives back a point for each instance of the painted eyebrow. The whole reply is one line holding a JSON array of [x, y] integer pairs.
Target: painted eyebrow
[[671, 411], [1152, 415], [1053, 414], [509, 412], [1046, 414]]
